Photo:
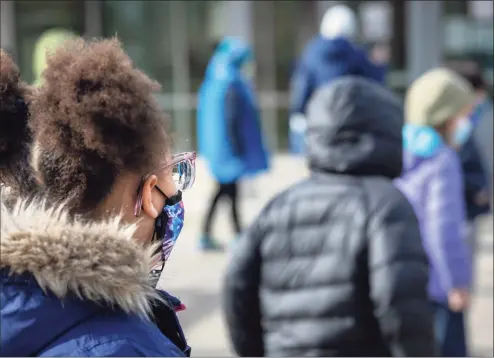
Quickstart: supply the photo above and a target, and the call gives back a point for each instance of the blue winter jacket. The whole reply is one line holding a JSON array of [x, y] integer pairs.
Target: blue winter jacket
[[70, 289], [228, 121], [324, 60]]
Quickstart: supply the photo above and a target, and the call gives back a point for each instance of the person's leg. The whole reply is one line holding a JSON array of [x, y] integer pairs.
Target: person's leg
[[473, 248], [233, 194], [449, 331], [207, 242], [211, 211], [455, 338], [441, 319]]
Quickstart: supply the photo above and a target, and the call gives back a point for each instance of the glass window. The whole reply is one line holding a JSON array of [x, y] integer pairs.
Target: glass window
[[205, 25], [455, 7], [481, 10], [291, 35], [146, 29], [172, 42], [202, 34], [468, 33], [143, 28], [264, 43], [33, 18], [294, 24]]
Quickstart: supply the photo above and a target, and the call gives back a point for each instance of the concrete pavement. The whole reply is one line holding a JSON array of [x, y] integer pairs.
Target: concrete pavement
[[196, 277]]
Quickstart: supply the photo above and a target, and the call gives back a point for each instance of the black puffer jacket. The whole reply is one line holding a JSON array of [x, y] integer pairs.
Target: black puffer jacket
[[334, 266]]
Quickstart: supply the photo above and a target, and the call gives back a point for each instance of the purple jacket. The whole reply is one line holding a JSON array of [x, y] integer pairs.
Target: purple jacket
[[434, 188]]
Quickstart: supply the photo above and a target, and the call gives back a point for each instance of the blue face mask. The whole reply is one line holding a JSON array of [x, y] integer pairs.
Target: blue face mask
[[168, 226], [466, 125]]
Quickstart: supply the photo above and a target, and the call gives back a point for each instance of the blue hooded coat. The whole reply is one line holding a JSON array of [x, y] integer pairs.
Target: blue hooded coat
[[324, 60], [228, 121], [74, 289]]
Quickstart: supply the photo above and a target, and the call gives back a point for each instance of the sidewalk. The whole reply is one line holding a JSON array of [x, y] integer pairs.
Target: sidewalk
[[196, 278]]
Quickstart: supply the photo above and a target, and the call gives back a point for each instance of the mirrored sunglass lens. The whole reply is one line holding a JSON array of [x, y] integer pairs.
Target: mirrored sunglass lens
[[183, 174]]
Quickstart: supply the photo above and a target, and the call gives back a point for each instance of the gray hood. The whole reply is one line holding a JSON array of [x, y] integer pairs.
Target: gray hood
[[355, 128]]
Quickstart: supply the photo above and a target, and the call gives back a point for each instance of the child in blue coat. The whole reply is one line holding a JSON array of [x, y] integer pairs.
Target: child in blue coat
[[229, 128]]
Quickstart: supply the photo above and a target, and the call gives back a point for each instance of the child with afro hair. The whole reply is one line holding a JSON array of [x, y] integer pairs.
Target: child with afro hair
[[77, 278], [94, 118], [16, 176]]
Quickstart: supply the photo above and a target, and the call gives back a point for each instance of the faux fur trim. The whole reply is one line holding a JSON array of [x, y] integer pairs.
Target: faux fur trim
[[95, 261], [35, 157], [7, 196], [5, 190]]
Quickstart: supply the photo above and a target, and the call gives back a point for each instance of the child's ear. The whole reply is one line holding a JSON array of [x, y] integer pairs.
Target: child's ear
[[149, 207]]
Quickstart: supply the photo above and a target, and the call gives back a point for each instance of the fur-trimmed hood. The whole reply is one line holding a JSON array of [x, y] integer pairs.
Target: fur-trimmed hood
[[98, 262]]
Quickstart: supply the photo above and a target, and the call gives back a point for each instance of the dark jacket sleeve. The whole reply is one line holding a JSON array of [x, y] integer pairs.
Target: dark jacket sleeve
[[475, 179], [241, 295], [368, 69], [399, 273], [124, 348], [232, 115], [301, 89]]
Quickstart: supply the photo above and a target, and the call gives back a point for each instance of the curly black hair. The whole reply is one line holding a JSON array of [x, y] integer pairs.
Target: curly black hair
[[94, 117], [15, 136]]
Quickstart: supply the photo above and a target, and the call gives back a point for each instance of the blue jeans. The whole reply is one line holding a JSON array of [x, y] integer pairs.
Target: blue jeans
[[449, 331]]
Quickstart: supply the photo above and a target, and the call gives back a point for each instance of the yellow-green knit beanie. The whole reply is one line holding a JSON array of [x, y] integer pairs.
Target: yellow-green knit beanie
[[437, 96]]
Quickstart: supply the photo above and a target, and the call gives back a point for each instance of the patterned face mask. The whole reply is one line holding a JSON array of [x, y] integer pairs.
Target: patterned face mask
[[169, 223], [168, 226]]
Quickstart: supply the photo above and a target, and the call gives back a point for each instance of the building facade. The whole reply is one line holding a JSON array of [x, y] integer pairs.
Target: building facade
[[172, 41]]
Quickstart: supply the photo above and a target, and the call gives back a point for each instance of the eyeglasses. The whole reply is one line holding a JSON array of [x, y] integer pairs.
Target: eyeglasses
[[183, 167], [183, 170]]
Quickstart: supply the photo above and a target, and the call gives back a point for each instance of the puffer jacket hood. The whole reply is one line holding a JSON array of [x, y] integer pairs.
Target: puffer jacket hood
[[325, 60], [59, 275], [355, 128], [230, 54], [229, 130], [332, 58], [328, 50]]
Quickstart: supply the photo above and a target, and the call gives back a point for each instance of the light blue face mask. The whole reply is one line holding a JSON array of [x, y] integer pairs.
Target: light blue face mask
[[466, 125], [462, 131]]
